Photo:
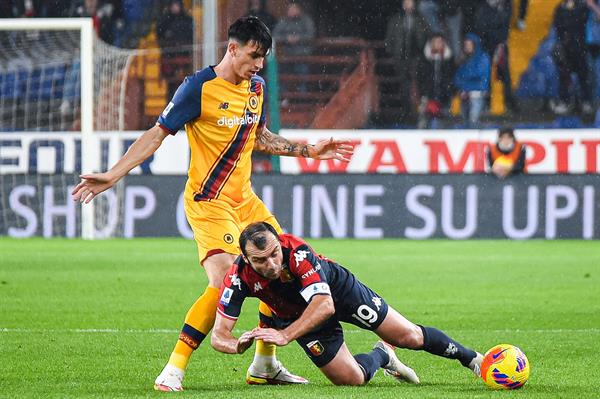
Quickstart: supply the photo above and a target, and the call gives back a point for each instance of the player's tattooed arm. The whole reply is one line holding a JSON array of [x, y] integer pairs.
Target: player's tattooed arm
[[274, 144]]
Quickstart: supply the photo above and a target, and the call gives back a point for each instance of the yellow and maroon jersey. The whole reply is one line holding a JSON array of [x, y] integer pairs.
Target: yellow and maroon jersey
[[221, 120]]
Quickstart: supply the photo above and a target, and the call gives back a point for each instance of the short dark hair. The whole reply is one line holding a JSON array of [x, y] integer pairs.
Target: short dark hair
[[255, 233], [436, 34], [506, 130], [251, 29]]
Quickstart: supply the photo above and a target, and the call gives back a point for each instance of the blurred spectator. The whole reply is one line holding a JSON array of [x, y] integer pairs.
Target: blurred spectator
[[523, 4], [430, 10], [175, 32], [592, 39], [405, 38], [115, 14], [26, 8], [295, 32], [444, 16], [102, 14], [468, 9], [570, 53], [472, 80], [507, 156], [6, 9], [453, 17], [434, 75], [57, 8], [258, 9], [492, 23]]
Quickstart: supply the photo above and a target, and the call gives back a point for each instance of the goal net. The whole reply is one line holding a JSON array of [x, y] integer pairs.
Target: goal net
[[58, 85]]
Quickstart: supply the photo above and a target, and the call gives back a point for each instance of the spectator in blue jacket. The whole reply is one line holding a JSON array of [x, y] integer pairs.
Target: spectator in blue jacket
[[472, 79]]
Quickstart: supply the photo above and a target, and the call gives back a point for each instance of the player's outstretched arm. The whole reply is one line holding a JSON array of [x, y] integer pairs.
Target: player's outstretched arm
[[223, 341], [274, 144], [320, 308], [95, 183]]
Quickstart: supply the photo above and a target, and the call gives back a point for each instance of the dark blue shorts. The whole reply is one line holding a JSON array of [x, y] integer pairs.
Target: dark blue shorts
[[355, 303]]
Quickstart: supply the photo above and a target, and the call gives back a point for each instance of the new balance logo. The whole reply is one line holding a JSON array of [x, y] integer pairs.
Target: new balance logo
[[257, 287], [224, 106]]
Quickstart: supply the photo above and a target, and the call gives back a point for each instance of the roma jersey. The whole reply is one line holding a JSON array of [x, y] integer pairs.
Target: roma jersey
[[221, 120]]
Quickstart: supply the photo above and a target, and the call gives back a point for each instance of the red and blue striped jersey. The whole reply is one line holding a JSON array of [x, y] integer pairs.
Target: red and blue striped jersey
[[305, 274]]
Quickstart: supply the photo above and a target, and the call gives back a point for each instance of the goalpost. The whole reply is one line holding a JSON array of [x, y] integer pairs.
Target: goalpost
[[59, 80]]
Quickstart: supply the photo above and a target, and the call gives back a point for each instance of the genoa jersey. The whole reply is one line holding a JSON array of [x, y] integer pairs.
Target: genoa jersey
[[305, 274], [221, 120]]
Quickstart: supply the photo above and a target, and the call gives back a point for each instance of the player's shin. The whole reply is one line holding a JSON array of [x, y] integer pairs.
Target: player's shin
[[371, 362], [438, 343], [198, 323]]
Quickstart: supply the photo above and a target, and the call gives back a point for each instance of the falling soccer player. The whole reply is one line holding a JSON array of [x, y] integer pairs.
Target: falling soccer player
[[309, 295]]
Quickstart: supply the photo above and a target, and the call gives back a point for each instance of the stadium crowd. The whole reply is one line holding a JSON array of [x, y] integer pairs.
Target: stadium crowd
[[441, 50]]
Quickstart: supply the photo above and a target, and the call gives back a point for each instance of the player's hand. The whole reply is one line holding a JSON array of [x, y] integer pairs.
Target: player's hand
[[91, 185], [270, 336], [244, 342], [341, 150]]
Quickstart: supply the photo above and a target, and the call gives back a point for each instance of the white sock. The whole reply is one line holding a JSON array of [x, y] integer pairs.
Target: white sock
[[263, 363]]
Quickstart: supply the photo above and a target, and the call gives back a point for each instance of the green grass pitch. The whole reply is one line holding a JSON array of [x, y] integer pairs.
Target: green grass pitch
[[99, 319]]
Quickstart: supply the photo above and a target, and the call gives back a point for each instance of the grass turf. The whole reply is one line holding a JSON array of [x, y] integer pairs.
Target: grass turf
[[99, 319]]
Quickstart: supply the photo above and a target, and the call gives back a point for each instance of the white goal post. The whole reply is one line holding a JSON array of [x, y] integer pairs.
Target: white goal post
[[86, 52]]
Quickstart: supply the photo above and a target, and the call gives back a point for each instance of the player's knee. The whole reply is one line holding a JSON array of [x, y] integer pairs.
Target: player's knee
[[344, 373], [412, 337]]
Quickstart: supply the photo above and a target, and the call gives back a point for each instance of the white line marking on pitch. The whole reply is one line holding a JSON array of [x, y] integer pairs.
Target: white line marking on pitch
[[173, 331]]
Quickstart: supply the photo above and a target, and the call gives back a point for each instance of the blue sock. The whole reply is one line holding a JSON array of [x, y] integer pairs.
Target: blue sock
[[371, 362], [438, 343]]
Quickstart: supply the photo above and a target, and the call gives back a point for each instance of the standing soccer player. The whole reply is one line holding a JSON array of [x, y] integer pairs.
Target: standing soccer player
[[223, 110]]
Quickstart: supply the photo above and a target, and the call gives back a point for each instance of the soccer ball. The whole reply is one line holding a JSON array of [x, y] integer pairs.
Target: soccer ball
[[505, 367]]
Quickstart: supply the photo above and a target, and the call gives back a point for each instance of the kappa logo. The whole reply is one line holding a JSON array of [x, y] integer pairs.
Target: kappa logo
[[235, 280], [224, 105], [300, 256], [377, 302], [315, 347], [450, 350], [257, 287]]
